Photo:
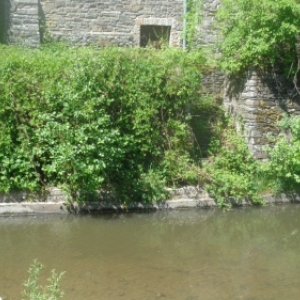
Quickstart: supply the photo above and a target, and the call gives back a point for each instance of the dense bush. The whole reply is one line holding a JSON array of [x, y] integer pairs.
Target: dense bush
[[232, 172], [258, 33], [122, 120], [283, 167], [86, 119]]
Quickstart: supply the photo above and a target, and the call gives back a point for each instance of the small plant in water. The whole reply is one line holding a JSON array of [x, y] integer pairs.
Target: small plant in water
[[34, 291]]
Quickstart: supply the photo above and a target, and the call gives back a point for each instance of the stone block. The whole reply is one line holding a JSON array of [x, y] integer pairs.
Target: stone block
[[60, 3], [250, 95], [251, 102], [255, 134]]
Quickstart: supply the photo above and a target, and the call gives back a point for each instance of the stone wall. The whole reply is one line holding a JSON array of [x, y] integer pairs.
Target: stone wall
[[208, 34], [257, 101], [24, 22], [213, 81], [55, 201], [115, 22]]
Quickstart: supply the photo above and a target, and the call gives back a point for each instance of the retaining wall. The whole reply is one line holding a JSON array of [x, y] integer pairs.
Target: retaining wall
[[55, 201], [258, 101]]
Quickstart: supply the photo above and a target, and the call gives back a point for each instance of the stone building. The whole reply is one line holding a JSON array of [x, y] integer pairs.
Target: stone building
[[109, 22]]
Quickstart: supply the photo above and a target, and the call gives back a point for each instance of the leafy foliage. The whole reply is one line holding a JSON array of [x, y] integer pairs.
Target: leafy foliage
[[34, 291], [86, 119], [283, 167], [122, 120], [261, 34], [258, 33], [234, 175], [193, 19]]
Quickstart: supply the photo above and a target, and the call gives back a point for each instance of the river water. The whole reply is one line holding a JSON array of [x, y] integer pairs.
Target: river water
[[250, 253]]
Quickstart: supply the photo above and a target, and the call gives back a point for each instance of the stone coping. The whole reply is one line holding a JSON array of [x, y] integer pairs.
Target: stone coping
[[55, 202]]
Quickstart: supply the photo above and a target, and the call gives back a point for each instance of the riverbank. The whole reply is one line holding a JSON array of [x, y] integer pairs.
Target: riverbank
[[55, 201]]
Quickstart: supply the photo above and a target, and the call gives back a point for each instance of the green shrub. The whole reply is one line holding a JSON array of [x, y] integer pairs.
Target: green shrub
[[283, 168], [233, 173], [34, 291], [258, 33], [85, 119]]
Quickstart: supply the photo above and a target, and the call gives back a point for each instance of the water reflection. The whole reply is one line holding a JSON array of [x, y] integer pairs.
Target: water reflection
[[249, 253]]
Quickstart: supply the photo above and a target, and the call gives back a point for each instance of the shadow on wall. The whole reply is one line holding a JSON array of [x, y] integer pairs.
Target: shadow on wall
[[4, 20], [272, 87], [282, 89], [204, 121]]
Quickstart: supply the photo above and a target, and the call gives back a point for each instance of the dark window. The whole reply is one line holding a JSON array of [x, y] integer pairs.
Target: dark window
[[154, 36]]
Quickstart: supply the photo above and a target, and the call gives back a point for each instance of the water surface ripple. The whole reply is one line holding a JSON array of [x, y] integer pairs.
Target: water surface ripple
[[249, 254]]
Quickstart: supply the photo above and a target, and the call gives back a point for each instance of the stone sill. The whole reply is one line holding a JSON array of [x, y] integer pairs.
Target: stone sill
[[55, 202]]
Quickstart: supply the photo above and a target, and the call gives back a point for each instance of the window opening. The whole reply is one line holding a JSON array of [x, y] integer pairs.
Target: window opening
[[154, 36]]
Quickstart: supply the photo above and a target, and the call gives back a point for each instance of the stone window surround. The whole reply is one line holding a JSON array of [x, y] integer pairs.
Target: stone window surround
[[156, 21]]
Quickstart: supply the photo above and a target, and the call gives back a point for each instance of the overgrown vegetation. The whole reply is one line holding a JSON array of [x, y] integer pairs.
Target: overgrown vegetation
[[283, 168], [192, 22], [124, 120], [264, 35], [33, 290], [259, 33], [233, 174], [85, 119]]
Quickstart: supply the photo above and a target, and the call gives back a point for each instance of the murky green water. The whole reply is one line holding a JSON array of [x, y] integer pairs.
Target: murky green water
[[251, 253]]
